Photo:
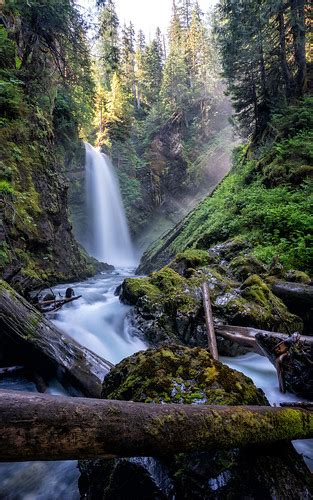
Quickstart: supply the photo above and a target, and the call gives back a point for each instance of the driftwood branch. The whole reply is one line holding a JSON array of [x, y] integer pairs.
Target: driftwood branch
[[241, 335], [41, 346], [209, 321], [42, 427]]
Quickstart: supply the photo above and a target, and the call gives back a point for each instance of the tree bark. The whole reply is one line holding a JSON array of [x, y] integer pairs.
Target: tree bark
[[298, 297], [283, 53], [209, 321], [42, 427], [297, 16], [294, 293], [244, 336], [43, 347]]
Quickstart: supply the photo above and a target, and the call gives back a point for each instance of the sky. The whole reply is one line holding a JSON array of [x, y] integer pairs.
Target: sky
[[147, 14]]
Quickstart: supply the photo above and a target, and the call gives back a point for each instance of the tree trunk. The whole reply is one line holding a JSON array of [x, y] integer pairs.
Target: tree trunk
[[283, 53], [42, 427], [241, 335], [298, 33], [32, 339], [298, 297]]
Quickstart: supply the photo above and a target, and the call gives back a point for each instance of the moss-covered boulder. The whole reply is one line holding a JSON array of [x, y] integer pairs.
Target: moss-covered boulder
[[181, 375], [243, 266], [168, 303], [295, 276], [177, 374]]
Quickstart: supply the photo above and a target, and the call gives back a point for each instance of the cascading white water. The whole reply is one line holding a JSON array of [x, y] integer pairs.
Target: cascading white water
[[108, 239]]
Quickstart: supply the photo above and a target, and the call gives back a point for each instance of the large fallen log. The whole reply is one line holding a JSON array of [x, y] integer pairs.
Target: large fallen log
[[242, 335], [43, 347], [294, 293], [41, 427], [299, 299], [295, 363]]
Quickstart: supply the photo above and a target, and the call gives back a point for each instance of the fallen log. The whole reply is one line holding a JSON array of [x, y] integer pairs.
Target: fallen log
[[295, 366], [209, 321], [294, 293], [42, 346], [298, 297], [241, 335], [41, 427]]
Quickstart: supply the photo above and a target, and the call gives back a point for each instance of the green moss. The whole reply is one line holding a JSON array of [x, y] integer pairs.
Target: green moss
[[32, 322], [181, 375], [193, 258], [136, 288], [297, 276], [6, 188], [243, 266]]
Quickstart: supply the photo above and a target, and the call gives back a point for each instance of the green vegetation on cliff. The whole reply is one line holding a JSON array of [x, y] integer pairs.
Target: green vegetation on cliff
[[46, 94], [266, 199]]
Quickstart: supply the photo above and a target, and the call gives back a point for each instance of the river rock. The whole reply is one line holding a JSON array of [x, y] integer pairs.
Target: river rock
[[168, 303], [179, 374]]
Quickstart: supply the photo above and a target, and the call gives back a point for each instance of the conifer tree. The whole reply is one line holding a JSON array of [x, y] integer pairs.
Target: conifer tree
[[176, 82], [140, 47], [108, 42]]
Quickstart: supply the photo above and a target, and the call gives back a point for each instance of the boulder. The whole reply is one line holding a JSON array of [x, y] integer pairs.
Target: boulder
[[180, 374]]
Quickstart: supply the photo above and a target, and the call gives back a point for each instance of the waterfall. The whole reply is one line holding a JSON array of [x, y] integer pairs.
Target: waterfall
[[108, 235]]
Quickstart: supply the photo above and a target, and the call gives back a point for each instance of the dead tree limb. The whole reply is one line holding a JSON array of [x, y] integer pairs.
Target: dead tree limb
[[241, 335], [41, 427], [42, 346], [209, 321]]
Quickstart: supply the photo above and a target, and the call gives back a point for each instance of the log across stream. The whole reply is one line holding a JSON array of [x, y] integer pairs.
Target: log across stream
[[97, 321]]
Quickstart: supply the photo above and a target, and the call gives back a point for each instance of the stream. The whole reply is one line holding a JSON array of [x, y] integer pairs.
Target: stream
[[97, 321]]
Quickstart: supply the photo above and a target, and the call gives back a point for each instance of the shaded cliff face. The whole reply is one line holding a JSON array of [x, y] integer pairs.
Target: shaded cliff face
[[37, 242]]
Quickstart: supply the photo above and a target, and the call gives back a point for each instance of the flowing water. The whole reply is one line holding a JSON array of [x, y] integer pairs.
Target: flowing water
[[98, 321]]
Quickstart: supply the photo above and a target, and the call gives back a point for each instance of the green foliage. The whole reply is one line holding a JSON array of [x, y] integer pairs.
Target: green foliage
[[6, 187], [260, 201], [263, 51]]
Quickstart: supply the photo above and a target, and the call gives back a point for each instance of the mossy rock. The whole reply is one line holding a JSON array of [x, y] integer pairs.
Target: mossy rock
[[192, 258], [179, 374], [231, 248], [256, 306], [243, 266], [297, 276]]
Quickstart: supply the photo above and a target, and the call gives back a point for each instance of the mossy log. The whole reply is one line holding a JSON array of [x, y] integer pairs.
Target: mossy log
[[37, 343], [298, 297], [44, 427]]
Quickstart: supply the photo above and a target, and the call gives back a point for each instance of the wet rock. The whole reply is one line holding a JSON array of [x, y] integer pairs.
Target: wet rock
[[244, 266], [168, 303]]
